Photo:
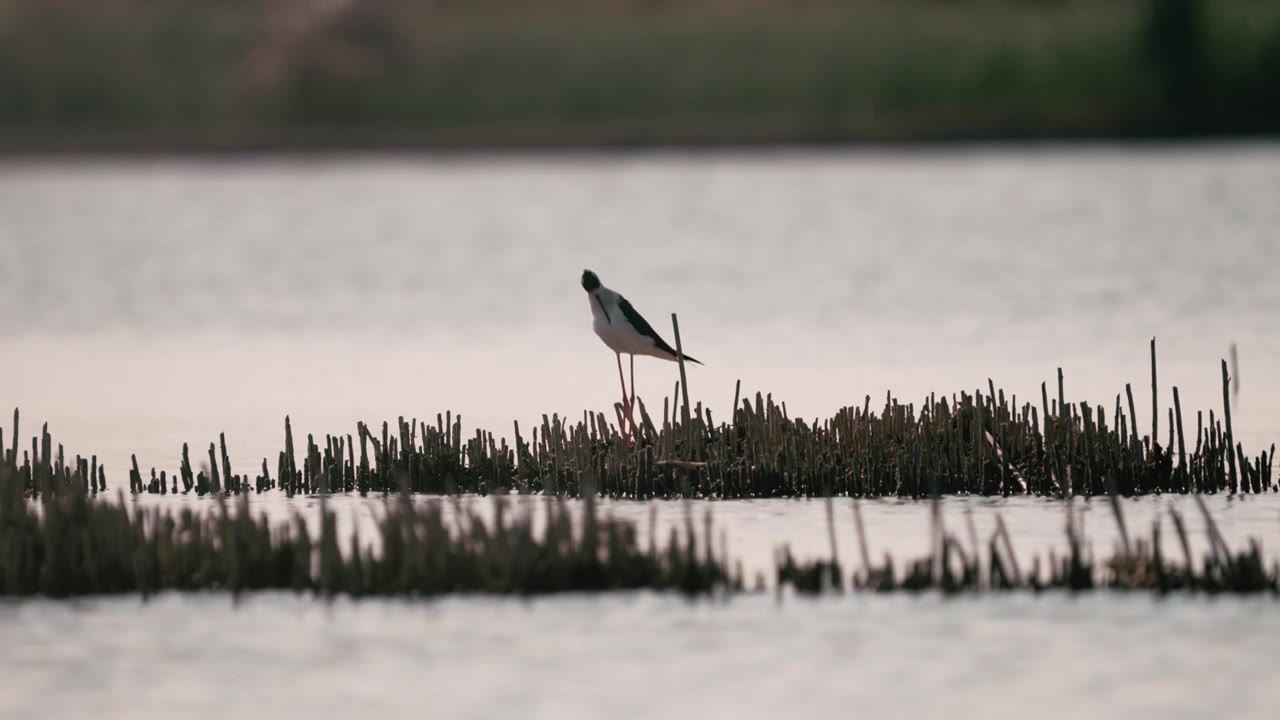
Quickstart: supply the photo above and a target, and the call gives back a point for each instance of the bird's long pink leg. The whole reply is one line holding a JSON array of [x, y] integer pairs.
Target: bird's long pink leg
[[631, 406], [626, 402]]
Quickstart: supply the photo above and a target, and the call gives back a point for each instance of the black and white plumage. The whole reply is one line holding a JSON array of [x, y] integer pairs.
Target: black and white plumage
[[625, 331], [618, 324]]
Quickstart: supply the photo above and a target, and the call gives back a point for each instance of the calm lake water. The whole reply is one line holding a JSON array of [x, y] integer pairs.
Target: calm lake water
[[144, 304], [148, 303], [642, 656]]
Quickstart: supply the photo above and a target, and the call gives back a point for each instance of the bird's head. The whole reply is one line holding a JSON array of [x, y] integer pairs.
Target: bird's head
[[590, 282]]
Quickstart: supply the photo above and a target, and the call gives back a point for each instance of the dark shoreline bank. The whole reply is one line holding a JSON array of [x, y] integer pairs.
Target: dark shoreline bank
[[191, 78], [376, 144]]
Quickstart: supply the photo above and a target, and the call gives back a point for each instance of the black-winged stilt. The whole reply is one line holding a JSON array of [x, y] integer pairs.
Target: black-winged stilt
[[625, 331]]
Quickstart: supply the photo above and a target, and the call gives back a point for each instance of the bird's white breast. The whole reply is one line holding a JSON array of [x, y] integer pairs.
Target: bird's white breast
[[611, 326]]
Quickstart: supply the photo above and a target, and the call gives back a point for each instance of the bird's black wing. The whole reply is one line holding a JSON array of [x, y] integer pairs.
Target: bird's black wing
[[643, 327]]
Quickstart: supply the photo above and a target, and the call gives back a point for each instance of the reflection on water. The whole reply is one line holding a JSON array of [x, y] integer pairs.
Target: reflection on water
[[641, 655]]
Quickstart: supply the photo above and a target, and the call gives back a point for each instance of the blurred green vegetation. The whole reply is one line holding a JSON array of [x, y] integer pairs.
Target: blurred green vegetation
[[244, 73]]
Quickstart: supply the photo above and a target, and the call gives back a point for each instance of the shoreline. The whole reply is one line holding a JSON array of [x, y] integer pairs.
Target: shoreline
[[283, 146]]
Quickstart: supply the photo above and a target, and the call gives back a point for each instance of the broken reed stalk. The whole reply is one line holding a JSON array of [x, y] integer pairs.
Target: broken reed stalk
[[862, 537], [684, 381], [1003, 532], [1155, 404], [1182, 447], [1226, 414], [1119, 514], [831, 530]]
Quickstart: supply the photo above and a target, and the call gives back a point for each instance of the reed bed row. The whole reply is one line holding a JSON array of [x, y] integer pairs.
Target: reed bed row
[[956, 566], [73, 544], [980, 443]]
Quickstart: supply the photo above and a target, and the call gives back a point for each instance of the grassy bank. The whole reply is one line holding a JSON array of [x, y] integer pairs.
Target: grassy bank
[[188, 74]]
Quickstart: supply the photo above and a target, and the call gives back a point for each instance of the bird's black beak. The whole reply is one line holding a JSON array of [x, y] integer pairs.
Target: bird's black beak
[[590, 282]]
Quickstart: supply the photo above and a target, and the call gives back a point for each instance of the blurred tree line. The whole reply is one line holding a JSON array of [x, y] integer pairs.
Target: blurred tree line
[[241, 73]]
